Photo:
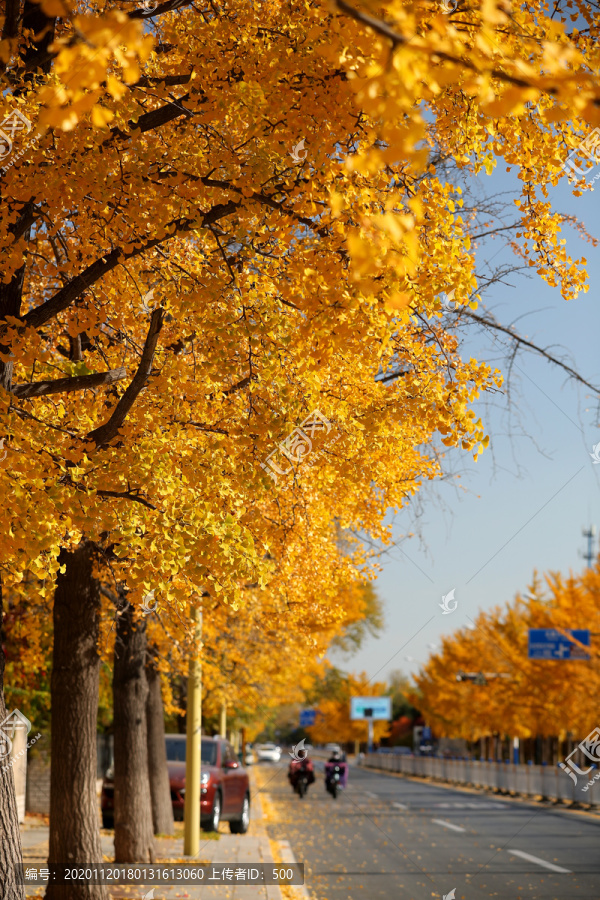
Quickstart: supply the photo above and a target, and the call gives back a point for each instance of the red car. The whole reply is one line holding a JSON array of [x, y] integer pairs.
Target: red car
[[224, 791]]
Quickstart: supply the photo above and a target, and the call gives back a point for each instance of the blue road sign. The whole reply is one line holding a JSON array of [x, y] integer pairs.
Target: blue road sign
[[547, 643], [307, 717]]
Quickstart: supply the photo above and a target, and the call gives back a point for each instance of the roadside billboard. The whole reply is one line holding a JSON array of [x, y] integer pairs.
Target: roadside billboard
[[374, 708]]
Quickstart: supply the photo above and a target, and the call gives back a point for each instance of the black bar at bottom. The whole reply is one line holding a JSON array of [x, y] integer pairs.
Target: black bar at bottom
[[149, 874]]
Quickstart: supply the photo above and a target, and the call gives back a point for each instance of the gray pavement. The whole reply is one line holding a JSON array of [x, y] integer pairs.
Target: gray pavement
[[412, 840], [229, 849]]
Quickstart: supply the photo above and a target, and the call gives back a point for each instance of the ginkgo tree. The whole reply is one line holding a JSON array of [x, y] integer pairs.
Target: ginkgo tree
[[333, 720], [515, 695], [158, 234]]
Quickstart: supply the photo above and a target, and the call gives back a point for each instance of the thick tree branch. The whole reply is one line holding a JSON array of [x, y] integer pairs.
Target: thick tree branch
[[66, 385], [103, 435], [398, 40], [25, 220], [238, 386], [204, 427], [126, 495], [75, 288], [154, 119], [134, 497], [266, 200], [390, 377], [11, 20], [160, 9], [168, 80], [109, 595], [44, 57]]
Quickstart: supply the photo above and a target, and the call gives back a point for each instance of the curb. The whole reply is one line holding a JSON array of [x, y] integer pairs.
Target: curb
[[287, 856], [283, 852], [273, 890]]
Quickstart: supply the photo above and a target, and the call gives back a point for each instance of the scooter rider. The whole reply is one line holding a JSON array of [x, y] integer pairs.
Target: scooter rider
[[299, 767], [334, 764]]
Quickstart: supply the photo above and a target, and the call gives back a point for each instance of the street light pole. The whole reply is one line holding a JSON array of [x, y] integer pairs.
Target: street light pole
[[590, 534], [480, 678], [191, 833]]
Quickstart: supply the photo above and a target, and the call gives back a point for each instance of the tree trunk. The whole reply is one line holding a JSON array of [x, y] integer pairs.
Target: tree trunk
[[160, 792], [74, 822], [134, 841], [10, 836], [10, 305]]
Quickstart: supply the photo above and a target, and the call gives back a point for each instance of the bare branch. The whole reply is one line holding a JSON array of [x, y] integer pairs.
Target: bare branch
[[103, 435], [489, 322], [66, 385]]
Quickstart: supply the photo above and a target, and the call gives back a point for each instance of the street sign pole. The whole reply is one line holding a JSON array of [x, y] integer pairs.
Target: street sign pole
[[370, 744]]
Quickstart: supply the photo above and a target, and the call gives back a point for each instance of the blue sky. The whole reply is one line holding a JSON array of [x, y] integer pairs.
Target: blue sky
[[523, 505]]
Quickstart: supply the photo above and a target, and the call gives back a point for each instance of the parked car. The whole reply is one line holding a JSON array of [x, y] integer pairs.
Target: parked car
[[249, 758], [224, 790], [268, 752]]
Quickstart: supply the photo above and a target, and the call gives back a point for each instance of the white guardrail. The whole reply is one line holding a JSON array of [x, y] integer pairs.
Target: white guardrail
[[532, 781]]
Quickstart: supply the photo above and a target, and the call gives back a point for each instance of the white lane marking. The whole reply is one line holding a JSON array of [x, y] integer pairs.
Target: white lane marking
[[469, 805], [538, 861], [287, 855], [400, 805], [370, 794], [448, 825]]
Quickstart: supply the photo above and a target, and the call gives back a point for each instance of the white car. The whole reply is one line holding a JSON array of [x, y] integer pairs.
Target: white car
[[268, 752], [249, 760]]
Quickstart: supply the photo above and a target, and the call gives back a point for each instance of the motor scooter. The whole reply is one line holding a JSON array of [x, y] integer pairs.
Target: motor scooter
[[336, 777], [301, 775]]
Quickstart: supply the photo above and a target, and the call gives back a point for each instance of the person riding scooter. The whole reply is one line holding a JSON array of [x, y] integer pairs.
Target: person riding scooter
[[301, 774], [336, 773]]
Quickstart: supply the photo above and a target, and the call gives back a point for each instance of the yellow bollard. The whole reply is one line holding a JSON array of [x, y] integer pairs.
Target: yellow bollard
[[191, 833]]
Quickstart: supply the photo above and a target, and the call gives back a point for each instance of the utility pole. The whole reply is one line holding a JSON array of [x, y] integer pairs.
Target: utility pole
[[191, 832], [223, 724], [590, 534]]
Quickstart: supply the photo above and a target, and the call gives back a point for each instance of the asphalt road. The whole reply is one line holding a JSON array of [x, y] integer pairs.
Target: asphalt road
[[410, 840]]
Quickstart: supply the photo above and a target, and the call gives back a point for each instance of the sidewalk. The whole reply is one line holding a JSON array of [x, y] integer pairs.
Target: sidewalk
[[229, 849]]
